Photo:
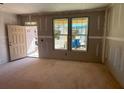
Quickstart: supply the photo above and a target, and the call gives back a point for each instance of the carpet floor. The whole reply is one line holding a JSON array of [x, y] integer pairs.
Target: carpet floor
[[55, 74]]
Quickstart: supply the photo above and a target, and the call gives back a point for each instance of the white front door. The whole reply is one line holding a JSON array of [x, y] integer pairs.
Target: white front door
[[17, 41]]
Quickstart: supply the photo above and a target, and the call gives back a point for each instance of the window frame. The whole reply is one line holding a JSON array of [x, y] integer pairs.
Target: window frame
[[60, 35], [87, 44], [69, 36]]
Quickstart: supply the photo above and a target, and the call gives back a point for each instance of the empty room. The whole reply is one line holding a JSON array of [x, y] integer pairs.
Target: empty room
[[61, 45]]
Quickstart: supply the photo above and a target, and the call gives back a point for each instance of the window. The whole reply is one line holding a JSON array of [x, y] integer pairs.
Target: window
[[60, 33], [30, 23], [79, 33], [78, 28]]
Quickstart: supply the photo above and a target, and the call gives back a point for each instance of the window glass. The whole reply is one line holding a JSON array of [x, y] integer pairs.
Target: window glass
[[79, 33], [60, 33]]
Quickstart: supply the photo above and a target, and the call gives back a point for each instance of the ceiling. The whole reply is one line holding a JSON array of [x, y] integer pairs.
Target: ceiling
[[24, 8]]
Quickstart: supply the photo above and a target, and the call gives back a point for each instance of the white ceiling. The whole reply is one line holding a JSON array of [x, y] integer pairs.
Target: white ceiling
[[23, 8]]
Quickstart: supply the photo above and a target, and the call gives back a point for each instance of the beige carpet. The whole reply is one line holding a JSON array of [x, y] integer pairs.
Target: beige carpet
[[47, 73]]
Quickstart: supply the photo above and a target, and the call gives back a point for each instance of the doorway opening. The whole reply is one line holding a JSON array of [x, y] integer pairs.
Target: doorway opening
[[32, 41]]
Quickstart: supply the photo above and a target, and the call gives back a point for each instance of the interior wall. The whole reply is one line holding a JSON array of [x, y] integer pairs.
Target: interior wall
[[96, 26], [5, 18], [115, 41]]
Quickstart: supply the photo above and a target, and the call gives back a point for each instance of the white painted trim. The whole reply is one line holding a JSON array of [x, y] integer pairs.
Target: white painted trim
[[104, 36], [90, 37], [115, 38], [95, 37]]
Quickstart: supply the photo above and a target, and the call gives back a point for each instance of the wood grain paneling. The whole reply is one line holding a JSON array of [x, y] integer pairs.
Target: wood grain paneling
[[96, 26], [115, 41]]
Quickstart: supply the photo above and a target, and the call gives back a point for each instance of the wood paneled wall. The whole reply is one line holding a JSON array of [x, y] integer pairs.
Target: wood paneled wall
[[115, 41], [96, 28], [5, 19]]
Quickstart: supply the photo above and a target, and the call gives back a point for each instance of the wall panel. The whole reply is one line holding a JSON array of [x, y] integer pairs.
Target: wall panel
[[96, 25], [5, 18], [115, 41]]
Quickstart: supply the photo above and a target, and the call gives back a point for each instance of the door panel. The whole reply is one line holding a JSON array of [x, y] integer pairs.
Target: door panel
[[17, 41]]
